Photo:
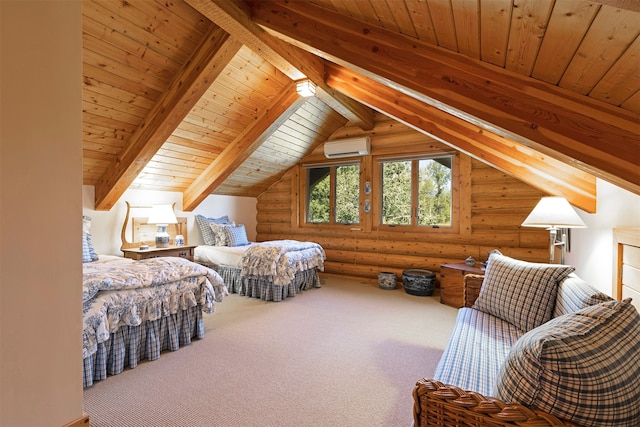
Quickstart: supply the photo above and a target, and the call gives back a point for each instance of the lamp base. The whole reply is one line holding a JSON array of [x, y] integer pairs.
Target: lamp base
[[162, 237]]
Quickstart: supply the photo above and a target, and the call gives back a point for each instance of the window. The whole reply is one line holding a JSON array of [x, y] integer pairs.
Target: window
[[417, 192], [333, 194]]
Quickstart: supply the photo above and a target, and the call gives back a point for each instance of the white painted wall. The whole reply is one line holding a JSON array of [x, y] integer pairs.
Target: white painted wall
[[592, 247], [40, 227], [106, 226]]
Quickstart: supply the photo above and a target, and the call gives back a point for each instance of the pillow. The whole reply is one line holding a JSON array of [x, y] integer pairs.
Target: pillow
[[583, 366], [203, 224], [220, 237], [236, 236], [575, 294], [522, 293], [88, 253]]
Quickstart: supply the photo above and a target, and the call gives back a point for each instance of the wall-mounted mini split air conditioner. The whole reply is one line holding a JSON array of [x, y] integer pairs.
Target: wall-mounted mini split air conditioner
[[349, 147]]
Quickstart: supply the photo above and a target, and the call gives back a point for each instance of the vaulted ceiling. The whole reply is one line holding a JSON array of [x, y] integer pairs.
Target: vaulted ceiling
[[198, 96]]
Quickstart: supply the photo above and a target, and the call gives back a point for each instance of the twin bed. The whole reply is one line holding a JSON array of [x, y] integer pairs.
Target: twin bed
[[133, 310], [272, 270]]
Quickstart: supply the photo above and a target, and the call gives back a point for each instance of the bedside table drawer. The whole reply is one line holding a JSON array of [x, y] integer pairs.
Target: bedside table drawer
[[174, 251]]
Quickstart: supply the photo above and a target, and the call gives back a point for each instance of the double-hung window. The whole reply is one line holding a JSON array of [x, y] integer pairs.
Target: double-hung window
[[333, 193], [416, 191]]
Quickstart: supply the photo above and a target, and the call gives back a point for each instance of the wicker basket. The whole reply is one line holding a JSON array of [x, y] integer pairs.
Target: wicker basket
[[440, 405]]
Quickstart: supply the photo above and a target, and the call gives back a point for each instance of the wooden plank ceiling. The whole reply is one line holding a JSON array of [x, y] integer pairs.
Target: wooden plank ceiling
[[197, 96]]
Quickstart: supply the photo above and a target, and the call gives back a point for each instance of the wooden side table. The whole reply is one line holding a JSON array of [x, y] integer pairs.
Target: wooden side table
[[452, 282], [184, 251]]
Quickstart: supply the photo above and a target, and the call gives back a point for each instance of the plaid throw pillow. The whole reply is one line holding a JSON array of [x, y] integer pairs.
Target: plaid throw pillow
[[520, 292], [236, 236], [583, 367], [208, 235], [88, 253]]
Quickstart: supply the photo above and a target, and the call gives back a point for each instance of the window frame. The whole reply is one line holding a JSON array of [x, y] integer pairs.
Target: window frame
[[414, 227], [304, 193]]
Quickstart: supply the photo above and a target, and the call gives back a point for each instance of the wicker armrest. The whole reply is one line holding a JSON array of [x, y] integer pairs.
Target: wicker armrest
[[440, 405], [471, 290]]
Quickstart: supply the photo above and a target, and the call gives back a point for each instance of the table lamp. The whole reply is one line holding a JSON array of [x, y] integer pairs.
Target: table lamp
[[554, 213], [162, 216]]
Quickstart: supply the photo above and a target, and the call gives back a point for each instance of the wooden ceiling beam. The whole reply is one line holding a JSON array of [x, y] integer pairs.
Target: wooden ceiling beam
[[234, 17], [205, 64], [536, 169], [632, 5], [589, 135], [279, 111]]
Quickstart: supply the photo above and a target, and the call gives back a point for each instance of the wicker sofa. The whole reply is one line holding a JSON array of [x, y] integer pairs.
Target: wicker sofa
[[541, 338]]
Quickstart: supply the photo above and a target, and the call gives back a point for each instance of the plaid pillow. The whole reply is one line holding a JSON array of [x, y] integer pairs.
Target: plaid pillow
[[208, 235], [520, 292], [236, 236], [88, 253], [583, 367]]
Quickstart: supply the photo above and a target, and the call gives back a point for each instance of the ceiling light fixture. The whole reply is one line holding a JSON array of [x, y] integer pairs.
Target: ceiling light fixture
[[305, 87]]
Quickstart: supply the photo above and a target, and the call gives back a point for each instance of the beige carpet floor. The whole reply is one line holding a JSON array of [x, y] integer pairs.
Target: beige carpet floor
[[347, 354]]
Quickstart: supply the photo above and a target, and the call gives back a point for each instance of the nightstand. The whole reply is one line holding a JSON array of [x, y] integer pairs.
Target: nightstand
[[184, 251], [452, 282]]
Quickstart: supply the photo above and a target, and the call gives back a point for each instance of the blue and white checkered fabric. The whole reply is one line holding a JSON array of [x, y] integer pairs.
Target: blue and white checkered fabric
[[130, 344], [236, 236], [575, 294], [583, 367], [478, 346], [520, 292], [208, 235], [88, 253]]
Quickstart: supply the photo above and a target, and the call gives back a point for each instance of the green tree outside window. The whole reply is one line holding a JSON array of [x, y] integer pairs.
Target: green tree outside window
[[431, 177], [345, 196]]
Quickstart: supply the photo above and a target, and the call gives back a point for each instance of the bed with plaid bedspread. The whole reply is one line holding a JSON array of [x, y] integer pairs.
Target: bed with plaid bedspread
[[136, 309], [272, 270]]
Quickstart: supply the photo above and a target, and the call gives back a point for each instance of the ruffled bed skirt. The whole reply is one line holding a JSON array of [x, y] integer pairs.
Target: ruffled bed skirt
[[130, 344], [263, 288]]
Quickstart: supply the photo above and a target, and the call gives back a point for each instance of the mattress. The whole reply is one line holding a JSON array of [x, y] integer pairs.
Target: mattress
[[221, 255]]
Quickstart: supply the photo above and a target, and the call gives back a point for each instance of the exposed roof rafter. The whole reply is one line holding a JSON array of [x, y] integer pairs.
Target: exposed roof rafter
[[234, 17], [208, 60], [536, 169], [548, 119], [280, 109]]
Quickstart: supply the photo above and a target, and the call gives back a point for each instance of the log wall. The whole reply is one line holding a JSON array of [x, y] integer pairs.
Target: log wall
[[489, 206]]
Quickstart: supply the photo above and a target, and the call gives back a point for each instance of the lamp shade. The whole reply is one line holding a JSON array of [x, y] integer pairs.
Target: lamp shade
[[162, 214], [553, 212]]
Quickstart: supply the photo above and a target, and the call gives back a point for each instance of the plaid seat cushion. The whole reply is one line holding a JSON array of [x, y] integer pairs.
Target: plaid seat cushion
[[478, 347], [583, 367], [520, 292]]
